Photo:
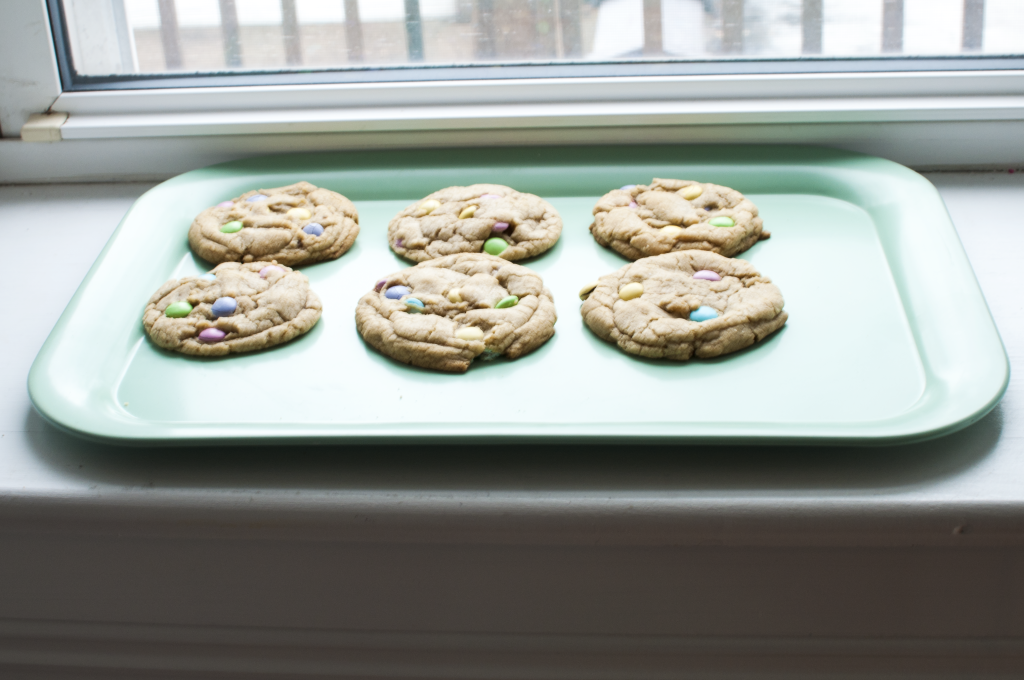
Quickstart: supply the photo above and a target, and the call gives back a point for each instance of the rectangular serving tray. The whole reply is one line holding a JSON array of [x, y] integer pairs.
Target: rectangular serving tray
[[889, 337]]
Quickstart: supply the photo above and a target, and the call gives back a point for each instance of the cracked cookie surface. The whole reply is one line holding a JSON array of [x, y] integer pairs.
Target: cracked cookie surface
[[235, 308], [445, 313], [651, 307], [671, 215], [488, 218], [295, 225]]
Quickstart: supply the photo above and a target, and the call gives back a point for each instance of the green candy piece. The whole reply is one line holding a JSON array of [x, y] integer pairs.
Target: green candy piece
[[510, 301], [495, 246], [721, 221], [231, 227], [177, 310]]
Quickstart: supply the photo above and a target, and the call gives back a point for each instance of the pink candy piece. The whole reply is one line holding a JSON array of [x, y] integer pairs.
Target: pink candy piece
[[707, 275], [212, 335], [632, 204], [268, 270], [500, 226], [225, 204], [489, 196], [380, 284]]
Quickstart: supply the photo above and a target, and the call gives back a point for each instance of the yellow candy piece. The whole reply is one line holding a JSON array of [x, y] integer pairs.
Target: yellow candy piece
[[299, 214], [586, 290], [693, 191], [631, 290], [672, 230], [468, 211], [469, 333], [427, 207], [454, 295]]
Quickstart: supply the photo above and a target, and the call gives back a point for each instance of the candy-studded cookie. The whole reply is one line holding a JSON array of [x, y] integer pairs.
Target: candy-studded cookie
[[683, 304], [235, 308], [673, 214], [445, 313], [487, 218], [295, 225]]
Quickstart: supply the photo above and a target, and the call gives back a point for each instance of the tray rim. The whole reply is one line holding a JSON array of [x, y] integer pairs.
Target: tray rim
[[65, 415]]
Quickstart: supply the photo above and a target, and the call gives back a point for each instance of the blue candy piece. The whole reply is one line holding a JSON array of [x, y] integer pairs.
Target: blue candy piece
[[703, 313], [224, 306], [256, 197], [208, 277], [313, 228], [396, 292], [628, 187], [413, 306]]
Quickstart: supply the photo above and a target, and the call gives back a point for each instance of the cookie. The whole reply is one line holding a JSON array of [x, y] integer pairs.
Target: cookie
[[235, 308], [672, 215], [444, 313], [294, 225], [683, 304], [487, 218]]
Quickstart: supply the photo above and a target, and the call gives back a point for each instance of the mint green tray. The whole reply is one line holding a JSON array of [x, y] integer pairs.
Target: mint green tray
[[889, 337]]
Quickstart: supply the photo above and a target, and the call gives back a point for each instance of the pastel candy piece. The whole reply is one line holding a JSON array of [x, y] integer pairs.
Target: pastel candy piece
[[707, 275], [500, 226], [380, 284], [671, 230], [490, 196], [505, 302], [212, 335], [693, 191], [703, 313], [299, 214], [396, 292], [225, 204], [632, 204], [455, 295], [413, 306], [178, 310], [270, 269], [495, 246], [257, 197], [627, 187], [231, 227], [469, 334], [722, 221], [224, 306], [209, 276], [429, 206], [467, 212], [631, 290], [313, 229], [586, 290]]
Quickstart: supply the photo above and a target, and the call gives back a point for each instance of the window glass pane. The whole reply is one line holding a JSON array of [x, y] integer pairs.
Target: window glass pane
[[153, 37]]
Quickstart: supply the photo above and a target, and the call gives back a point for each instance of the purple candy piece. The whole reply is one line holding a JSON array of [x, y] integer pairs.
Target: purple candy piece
[[380, 284], [270, 269], [225, 204], [396, 292], [224, 306], [398, 243], [212, 335], [707, 275], [257, 197], [313, 229], [632, 204], [500, 226], [490, 196]]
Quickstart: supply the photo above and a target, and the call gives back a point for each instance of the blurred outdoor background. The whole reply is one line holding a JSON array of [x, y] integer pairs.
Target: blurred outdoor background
[[179, 36]]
